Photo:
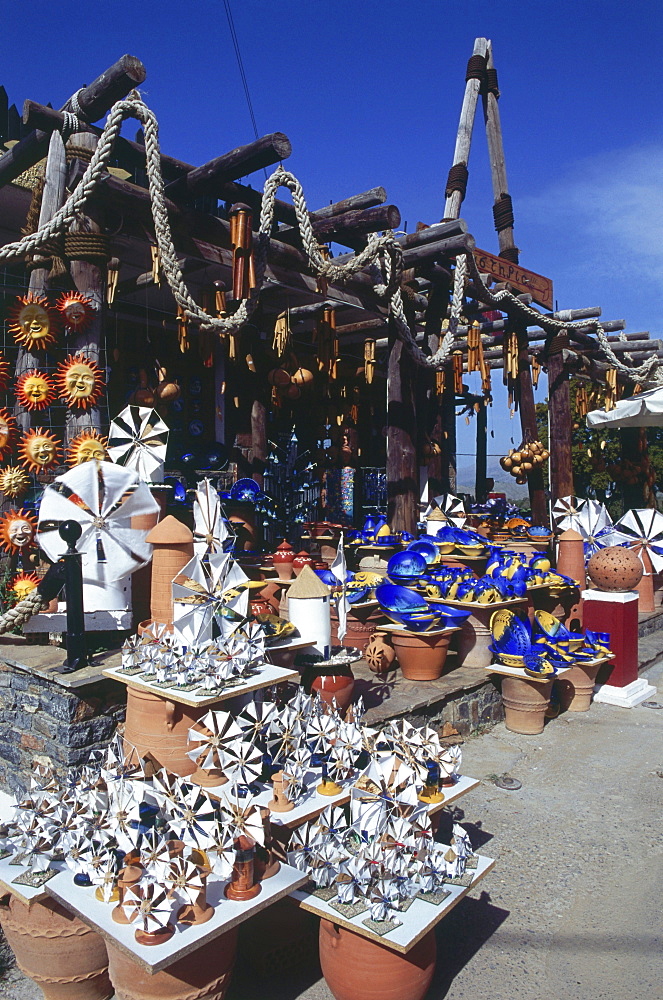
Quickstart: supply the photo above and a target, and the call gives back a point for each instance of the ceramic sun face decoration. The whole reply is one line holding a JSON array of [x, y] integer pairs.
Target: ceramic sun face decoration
[[17, 531], [8, 432], [14, 482], [76, 311], [39, 450], [33, 322], [80, 382], [34, 390], [87, 446], [4, 371], [24, 584]]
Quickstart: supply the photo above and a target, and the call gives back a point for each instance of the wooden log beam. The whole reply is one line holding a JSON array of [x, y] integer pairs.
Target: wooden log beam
[[561, 421], [365, 199], [128, 286], [573, 315], [349, 225], [431, 234], [465, 126], [493, 125], [211, 176], [402, 469], [94, 100], [529, 427]]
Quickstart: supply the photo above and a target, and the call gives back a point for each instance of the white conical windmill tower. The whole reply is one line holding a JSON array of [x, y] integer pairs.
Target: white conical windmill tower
[[103, 498]]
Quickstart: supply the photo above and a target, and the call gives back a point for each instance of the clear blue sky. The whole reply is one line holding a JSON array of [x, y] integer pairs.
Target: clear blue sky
[[369, 93]]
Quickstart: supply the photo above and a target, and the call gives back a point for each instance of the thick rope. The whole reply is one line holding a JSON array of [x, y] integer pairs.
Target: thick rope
[[383, 255], [22, 611]]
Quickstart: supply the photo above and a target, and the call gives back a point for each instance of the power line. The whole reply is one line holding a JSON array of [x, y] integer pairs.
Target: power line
[[240, 63]]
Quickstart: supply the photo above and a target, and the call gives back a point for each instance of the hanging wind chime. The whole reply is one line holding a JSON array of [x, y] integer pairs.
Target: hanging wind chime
[[510, 361], [241, 239], [369, 360], [326, 341], [610, 389]]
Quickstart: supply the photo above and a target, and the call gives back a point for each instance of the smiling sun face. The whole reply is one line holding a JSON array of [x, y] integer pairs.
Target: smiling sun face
[[17, 531], [33, 322], [24, 584], [39, 450], [34, 390], [8, 432], [79, 381], [75, 310], [87, 446]]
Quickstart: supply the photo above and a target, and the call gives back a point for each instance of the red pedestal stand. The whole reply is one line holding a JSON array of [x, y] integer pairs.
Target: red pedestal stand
[[617, 613]]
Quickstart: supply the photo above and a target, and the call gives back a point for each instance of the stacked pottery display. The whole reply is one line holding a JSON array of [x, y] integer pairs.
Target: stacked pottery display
[[525, 704], [473, 641]]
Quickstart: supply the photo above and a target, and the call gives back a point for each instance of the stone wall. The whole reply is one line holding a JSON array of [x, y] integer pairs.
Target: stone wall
[[470, 711], [58, 725]]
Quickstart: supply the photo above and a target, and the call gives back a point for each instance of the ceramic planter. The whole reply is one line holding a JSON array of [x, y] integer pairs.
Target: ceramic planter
[[356, 968], [56, 950], [335, 687], [525, 704], [160, 727], [421, 657], [282, 560], [203, 975], [360, 626], [577, 686], [475, 636], [302, 559]]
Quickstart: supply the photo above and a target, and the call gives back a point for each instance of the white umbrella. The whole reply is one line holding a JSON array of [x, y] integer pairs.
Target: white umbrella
[[103, 498], [138, 439], [643, 410], [643, 529]]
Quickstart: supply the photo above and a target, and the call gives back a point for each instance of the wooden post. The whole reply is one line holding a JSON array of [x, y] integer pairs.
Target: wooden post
[[259, 440], [438, 301], [480, 491], [52, 199], [561, 422], [89, 278], [402, 470], [491, 114], [528, 424], [464, 135]]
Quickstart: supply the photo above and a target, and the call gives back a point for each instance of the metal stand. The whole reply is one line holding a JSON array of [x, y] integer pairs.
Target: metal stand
[[70, 532]]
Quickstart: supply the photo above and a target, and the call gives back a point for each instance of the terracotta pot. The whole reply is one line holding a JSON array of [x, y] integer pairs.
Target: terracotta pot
[[56, 950], [283, 558], [421, 657], [475, 637], [359, 627], [379, 653], [173, 548], [358, 969], [259, 606], [335, 686], [160, 727], [203, 975], [242, 515], [571, 556], [302, 559], [615, 569], [577, 687], [141, 579], [270, 592], [525, 704]]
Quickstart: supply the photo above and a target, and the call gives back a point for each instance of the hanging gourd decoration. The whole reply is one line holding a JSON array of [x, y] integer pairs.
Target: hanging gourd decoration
[[14, 482], [167, 391], [521, 461], [241, 238], [76, 311], [8, 432], [23, 584], [369, 360], [302, 377], [144, 394], [35, 390], [86, 447], [17, 531], [457, 365], [33, 322], [4, 371], [79, 381], [39, 450]]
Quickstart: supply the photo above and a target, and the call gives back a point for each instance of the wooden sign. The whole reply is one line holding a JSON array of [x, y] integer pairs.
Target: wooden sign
[[540, 288]]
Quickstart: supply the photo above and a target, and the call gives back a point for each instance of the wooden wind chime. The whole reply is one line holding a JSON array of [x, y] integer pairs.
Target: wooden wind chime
[[475, 358], [326, 341], [244, 275], [369, 360], [610, 389], [510, 363]]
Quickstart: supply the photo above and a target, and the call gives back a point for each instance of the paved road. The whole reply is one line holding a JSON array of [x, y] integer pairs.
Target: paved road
[[573, 908]]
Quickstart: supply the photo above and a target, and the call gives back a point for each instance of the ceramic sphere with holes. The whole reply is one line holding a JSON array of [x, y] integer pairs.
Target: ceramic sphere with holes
[[615, 569]]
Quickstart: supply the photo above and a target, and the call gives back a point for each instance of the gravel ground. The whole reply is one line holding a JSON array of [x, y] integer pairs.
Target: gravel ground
[[572, 910]]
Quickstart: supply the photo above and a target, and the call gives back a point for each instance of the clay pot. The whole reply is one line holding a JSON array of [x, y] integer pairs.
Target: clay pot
[[173, 548], [141, 579], [338, 687], [56, 950], [242, 516], [525, 704], [302, 559], [160, 727], [379, 653], [130, 875], [421, 657], [571, 556], [280, 802], [271, 593], [203, 975], [259, 606], [615, 569], [577, 687], [359, 627], [356, 968], [475, 637], [282, 559]]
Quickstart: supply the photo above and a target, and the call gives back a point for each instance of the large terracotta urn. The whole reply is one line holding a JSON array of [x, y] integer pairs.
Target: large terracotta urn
[[202, 975], [576, 687], [525, 704], [282, 559], [56, 950], [159, 726], [421, 657], [360, 625], [356, 968], [335, 687]]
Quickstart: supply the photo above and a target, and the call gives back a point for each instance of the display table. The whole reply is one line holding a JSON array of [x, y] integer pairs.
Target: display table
[[26, 893]]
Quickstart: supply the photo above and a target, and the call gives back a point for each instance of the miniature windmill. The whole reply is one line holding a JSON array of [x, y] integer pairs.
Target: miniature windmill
[[138, 440], [217, 732], [595, 525], [643, 531], [451, 507], [565, 512], [210, 530]]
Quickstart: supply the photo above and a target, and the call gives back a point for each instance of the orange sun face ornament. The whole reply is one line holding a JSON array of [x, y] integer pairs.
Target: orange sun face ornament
[[24, 584], [33, 322], [17, 531], [39, 450], [34, 390], [4, 371], [75, 310], [87, 446], [8, 432], [79, 381]]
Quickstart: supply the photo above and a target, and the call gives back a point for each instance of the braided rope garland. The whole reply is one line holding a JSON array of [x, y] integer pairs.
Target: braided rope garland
[[383, 255], [22, 611]]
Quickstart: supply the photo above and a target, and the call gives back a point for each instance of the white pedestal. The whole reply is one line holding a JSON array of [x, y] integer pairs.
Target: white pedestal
[[624, 697]]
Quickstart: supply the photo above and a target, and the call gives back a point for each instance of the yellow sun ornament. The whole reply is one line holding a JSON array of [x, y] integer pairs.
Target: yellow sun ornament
[[4, 371], [87, 446], [34, 390], [33, 322], [24, 584], [14, 482], [76, 311], [80, 382], [17, 531], [39, 450], [8, 432]]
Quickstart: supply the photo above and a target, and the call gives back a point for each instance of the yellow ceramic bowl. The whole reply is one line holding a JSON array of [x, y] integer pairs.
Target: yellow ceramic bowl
[[471, 550]]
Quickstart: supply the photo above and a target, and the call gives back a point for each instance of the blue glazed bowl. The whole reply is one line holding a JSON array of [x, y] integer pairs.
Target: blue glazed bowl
[[244, 489], [426, 549], [327, 577], [406, 567], [393, 598]]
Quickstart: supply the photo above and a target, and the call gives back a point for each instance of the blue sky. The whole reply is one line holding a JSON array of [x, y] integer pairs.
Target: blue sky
[[369, 93]]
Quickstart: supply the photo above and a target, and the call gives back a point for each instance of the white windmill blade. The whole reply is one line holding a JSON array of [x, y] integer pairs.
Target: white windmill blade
[[565, 512], [221, 851], [644, 530], [451, 506], [183, 879], [243, 763], [147, 903], [102, 498], [384, 897], [210, 528], [243, 816], [138, 439]]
